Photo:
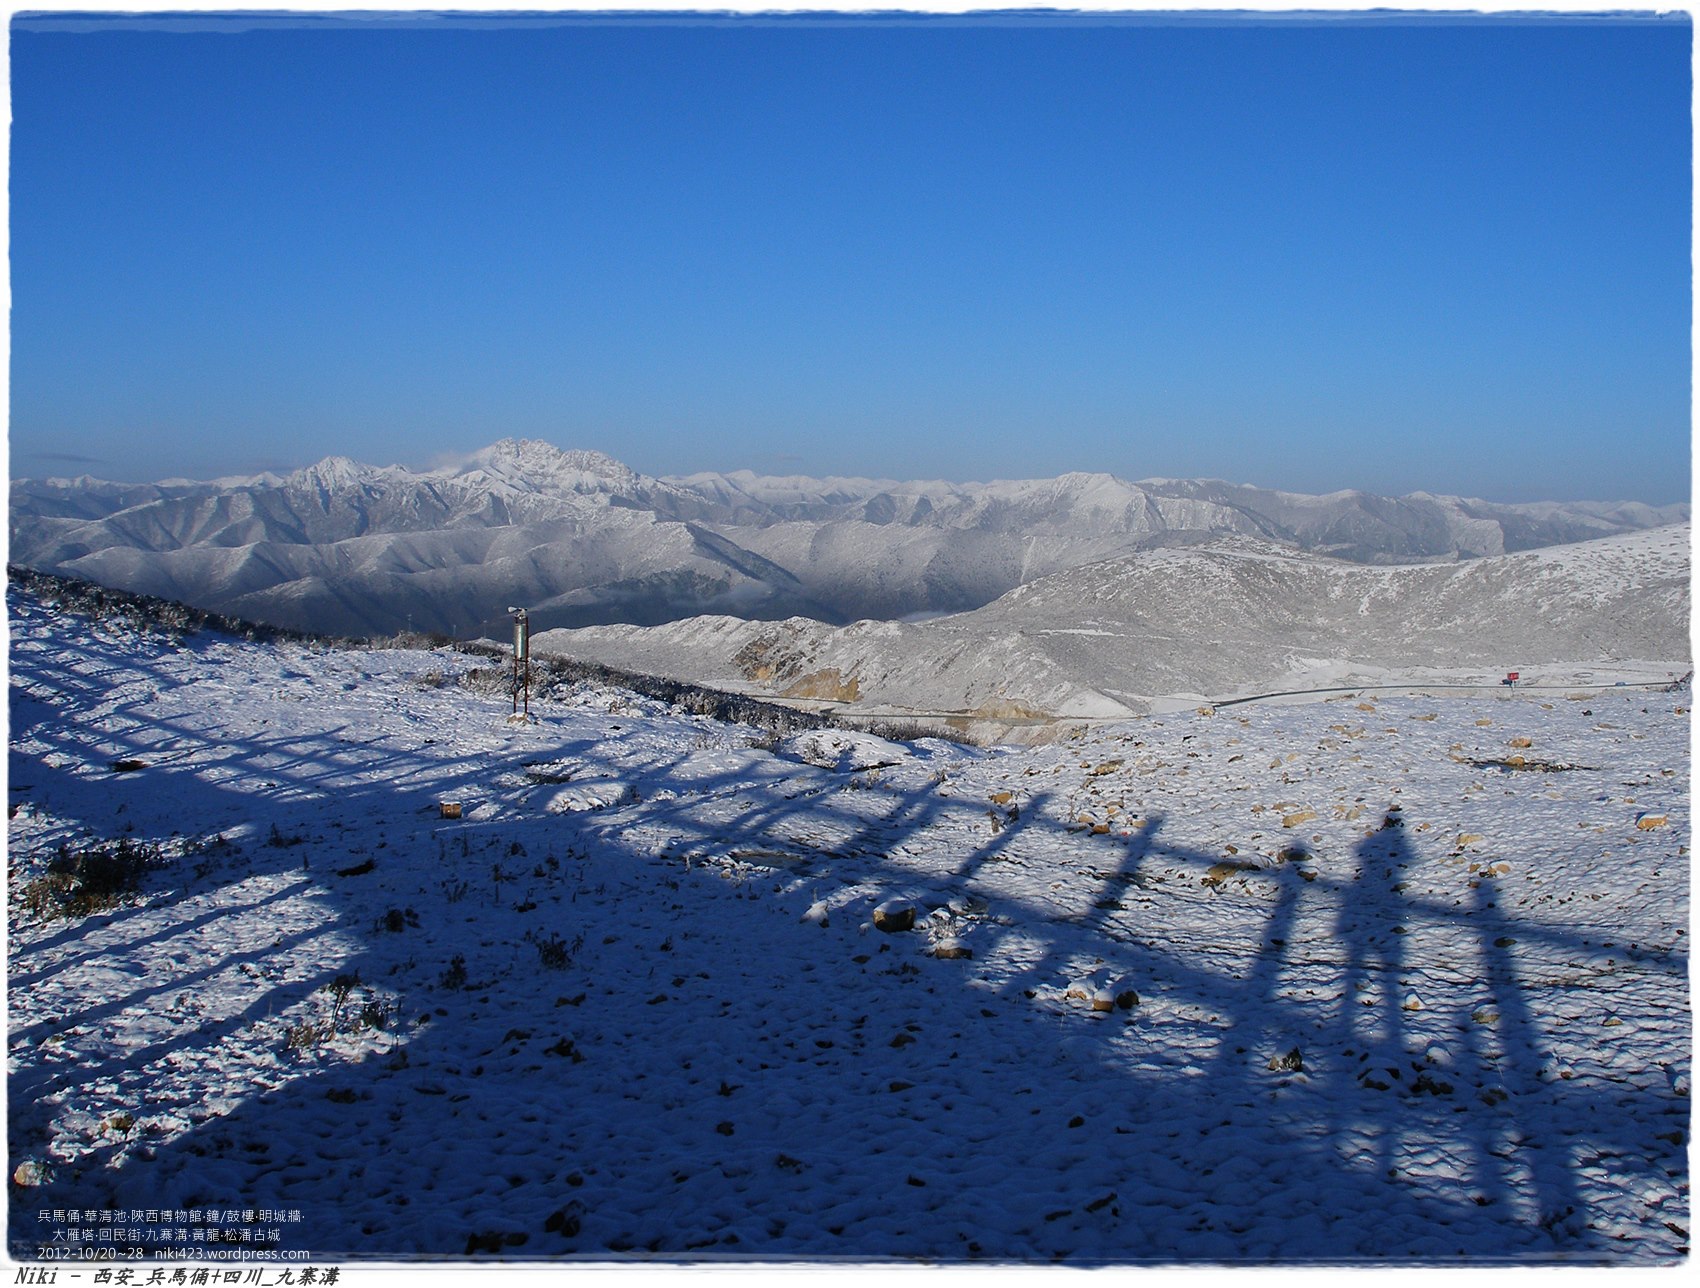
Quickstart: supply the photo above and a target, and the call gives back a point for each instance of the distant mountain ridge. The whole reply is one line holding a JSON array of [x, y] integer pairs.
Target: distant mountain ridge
[[582, 539]]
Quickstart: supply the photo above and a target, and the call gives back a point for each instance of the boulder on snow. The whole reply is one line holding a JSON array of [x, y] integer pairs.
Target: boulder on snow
[[1103, 992], [1220, 872], [843, 750], [894, 916], [1292, 1062], [601, 794]]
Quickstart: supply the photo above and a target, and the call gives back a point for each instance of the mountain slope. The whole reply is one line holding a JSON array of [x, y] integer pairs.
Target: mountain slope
[[1229, 617]]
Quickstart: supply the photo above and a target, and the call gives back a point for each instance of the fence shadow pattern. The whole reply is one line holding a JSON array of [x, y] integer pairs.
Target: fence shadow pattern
[[1275, 1096]]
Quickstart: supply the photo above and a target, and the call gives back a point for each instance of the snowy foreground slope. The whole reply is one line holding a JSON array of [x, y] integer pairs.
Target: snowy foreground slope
[[1357, 981]]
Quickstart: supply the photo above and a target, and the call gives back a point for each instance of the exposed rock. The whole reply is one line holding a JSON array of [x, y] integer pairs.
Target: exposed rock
[[1103, 992], [828, 684], [894, 916], [565, 1221]]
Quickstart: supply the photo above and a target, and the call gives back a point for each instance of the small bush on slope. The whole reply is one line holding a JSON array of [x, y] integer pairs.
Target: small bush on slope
[[144, 613], [78, 883]]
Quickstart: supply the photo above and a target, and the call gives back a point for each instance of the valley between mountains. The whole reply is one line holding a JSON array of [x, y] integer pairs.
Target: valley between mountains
[[990, 608]]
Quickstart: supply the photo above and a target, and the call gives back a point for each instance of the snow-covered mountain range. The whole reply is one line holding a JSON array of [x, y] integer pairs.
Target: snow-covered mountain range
[[1233, 616], [583, 540]]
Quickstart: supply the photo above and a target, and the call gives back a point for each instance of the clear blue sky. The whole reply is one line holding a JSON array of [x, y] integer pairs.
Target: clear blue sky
[[1449, 255]]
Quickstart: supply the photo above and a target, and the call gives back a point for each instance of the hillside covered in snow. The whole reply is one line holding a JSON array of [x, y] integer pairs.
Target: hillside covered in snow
[[1228, 618], [313, 953], [346, 548]]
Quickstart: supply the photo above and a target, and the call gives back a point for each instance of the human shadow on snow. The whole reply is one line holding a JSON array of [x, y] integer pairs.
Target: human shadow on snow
[[1018, 1125]]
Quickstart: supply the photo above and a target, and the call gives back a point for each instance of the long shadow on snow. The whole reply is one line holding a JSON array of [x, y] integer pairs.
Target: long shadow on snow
[[77, 786], [1018, 1128]]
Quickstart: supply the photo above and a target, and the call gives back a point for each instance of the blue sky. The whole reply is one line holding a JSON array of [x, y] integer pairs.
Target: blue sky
[[1451, 256]]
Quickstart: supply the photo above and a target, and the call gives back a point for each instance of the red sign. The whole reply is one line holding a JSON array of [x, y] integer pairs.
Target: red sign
[[1511, 675]]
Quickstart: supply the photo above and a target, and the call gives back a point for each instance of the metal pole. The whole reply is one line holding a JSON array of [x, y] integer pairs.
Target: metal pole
[[522, 661]]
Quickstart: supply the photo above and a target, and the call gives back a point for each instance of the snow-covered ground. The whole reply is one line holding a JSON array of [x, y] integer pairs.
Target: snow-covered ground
[[1358, 981]]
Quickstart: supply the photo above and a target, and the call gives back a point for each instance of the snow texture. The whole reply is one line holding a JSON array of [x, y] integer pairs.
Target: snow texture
[[1362, 981]]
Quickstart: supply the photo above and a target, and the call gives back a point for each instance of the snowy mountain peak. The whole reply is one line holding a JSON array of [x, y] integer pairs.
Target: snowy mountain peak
[[523, 519], [331, 474], [531, 465], [1096, 489]]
